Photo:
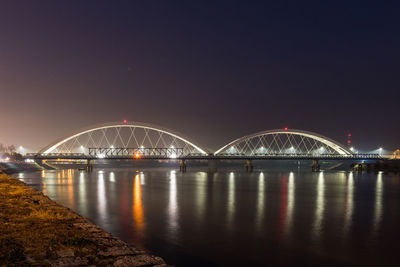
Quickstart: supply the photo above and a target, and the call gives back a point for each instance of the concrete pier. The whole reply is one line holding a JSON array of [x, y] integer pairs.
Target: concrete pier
[[315, 167], [249, 166], [182, 165]]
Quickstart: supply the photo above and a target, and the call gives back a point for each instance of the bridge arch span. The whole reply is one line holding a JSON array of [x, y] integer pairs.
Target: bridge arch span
[[283, 141], [123, 135]]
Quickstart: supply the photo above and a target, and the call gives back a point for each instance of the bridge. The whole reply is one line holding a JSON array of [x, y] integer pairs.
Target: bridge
[[135, 140]]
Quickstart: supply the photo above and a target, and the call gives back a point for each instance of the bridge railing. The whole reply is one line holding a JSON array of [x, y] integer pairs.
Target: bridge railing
[[54, 154], [171, 153], [300, 155], [137, 152]]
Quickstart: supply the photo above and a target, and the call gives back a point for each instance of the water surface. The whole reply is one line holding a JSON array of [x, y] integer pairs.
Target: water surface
[[237, 218]]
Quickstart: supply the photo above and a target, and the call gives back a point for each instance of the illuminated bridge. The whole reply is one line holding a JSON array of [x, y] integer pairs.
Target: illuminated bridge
[[134, 140]]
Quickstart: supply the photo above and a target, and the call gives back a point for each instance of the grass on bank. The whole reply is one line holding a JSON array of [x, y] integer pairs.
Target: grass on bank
[[33, 228]]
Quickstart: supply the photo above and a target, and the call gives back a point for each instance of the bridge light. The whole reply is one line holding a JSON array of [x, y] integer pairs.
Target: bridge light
[[125, 121], [286, 128], [111, 146], [137, 155]]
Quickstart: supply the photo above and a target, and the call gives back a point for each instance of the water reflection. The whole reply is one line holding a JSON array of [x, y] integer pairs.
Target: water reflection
[[201, 194], [70, 187], [378, 204], [290, 205], [173, 208], [349, 206], [231, 198], [137, 205], [101, 197], [146, 209], [112, 177], [82, 191], [260, 201], [142, 178], [320, 207], [283, 206]]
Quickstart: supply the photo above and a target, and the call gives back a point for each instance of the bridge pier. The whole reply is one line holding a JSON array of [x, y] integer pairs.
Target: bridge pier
[[182, 165], [249, 165], [89, 166], [315, 167]]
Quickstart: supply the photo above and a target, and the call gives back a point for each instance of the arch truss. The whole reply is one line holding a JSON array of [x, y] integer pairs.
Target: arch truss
[[283, 142], [119, 139]]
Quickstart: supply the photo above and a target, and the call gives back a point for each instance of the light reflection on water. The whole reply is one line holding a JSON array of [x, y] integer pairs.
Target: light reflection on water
[[101, 196], [349, 206], [137, 206], [260, 201], [173, 208], [290, 205], [199, 219], [231, 199], [320, 207], [378, 204]]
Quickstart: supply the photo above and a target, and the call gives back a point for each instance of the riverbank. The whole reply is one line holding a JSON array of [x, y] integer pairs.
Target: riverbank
[[18, 166], [36, 231]]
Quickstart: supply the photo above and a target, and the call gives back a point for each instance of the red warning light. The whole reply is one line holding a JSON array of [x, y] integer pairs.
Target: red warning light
[[286, 128], [348, 141], [124, 121], [349, 135]]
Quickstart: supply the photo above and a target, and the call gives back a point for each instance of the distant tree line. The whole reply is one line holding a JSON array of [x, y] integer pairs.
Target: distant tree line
[[9, 152], [7, 149]]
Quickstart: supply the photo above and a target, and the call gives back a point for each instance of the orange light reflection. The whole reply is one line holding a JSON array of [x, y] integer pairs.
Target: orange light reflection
[[137, 205]]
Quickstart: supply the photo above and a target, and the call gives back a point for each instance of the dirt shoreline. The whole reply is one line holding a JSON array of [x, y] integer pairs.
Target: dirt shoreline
[[36, 231]]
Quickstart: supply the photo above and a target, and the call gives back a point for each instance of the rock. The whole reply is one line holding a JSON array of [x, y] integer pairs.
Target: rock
[[139, 260], [65, 253], [109, 242], [69, 262], [117, 251]]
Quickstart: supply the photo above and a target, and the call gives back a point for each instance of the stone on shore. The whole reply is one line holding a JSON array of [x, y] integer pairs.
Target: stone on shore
[[36, 231]]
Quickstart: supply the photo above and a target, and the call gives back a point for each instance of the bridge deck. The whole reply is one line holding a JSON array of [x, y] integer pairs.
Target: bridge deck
[[81, 156]]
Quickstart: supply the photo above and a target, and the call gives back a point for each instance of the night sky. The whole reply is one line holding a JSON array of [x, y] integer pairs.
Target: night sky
[[212, 70]]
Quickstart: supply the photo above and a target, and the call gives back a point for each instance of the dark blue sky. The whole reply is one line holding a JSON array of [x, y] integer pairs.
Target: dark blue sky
[[213, 70]]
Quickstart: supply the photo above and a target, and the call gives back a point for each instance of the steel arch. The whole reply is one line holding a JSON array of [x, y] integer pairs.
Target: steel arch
[[148, 126], [337, 147]]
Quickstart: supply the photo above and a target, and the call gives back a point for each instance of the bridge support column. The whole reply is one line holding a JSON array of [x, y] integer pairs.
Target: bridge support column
[[315, 166], [249, 165], [182, 165], [89, 166], [212, 165]]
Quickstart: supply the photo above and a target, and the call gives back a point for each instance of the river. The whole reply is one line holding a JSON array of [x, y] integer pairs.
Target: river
[[234, 218]]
